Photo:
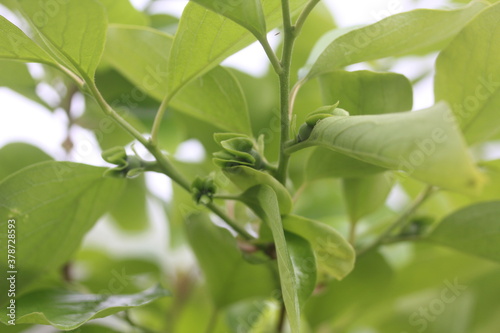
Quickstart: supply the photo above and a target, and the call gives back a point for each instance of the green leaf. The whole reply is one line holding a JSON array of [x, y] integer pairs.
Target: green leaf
[[229, 277], [122, 12], [304, 265], [261, 316], [130, 211], [467, 76], [217, 98], [92, 328], [365, 195], [365, 92], [326, 163], [360, 92], [107, 274], [66, 310], [245, 177], [247, 13], [54, 205], [294, 285], [335, 257], [474, 229], [204, 39], [367, 286], [426, 144], [413, 32], [164, 22], [15, 156], [141, 54], [74, 31], [16, 45]]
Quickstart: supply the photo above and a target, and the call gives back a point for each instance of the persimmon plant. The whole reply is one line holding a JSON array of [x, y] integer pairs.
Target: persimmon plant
[[288, 214]]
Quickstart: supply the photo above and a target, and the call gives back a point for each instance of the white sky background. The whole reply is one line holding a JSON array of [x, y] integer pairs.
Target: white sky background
[[22, 120]]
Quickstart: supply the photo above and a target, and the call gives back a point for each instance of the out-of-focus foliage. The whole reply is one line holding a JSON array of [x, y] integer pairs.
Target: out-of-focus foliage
[[384, 220]]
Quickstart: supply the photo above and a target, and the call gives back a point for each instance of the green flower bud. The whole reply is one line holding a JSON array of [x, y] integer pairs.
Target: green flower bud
[[304, 132], [115, 155], [127, 166], [203, 190], [313, 119], [239, 149], [340, 112]]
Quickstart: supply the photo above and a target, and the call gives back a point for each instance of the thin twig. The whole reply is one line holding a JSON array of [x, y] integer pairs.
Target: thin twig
[[159, 117], [164, 164], [303, 16], [293, 96], [281, 319], [401, 221], [284, 79], [275, 62]]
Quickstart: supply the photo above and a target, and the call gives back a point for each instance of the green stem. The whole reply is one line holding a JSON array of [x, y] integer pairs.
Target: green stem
[[303, 16], [217, 211], [284, 79], [168, 169], [281, 318], [293, 95], [108, 110], [159, 117], [401, 221], [164, 165], [79, 82], [271, 55]]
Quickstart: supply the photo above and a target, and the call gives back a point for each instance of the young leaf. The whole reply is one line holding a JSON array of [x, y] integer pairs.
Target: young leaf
[[247, 13], [474, 230], [365, 92], [326, 163], [364, 195], [141, 54], [204, 39], [467, 76], [54, 204], [360, 92], [73, 30], [15, 45], [15, 156], [245, 177], [426, 144], [67, 310], [122, 12], [413, 32], [229, 277], [263, 201], [335, 257]]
